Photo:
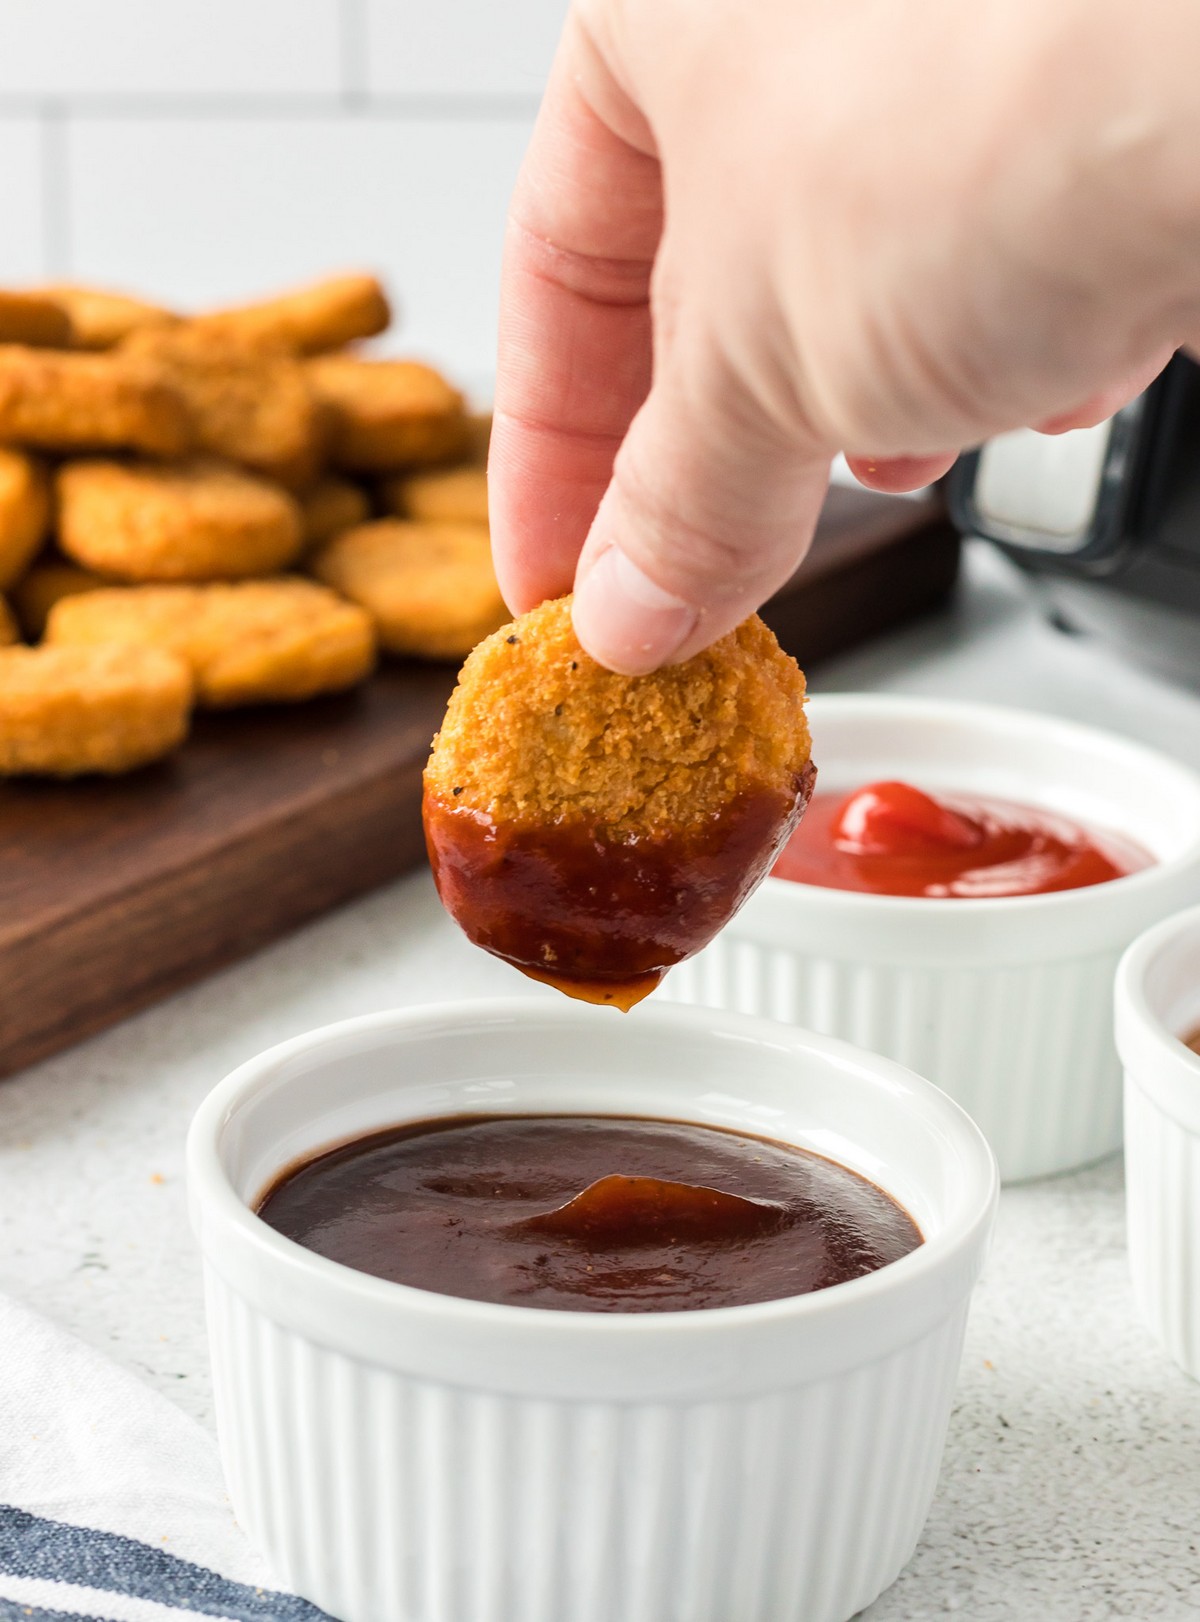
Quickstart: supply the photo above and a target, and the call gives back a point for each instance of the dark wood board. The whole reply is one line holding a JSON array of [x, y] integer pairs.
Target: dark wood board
[[876, 563], [114, 893]]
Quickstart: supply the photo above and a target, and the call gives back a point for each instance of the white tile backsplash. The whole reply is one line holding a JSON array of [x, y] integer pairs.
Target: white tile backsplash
[[197, 210], [162, 47], [22, 241], [204, 149], [461, 46]]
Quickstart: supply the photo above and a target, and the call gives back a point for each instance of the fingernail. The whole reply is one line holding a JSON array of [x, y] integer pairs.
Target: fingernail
[[624, 620]]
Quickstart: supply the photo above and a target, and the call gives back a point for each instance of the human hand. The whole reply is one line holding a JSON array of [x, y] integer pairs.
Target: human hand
[[747, 237]]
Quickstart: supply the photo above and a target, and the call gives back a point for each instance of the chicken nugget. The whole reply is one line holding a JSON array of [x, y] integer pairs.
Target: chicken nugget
[[35, 319], [311, 319], [101, 318], [449, 495], [24, 513], [257, 642], [64, 711], [70, 402], [197, 520], [250, 405], [595, 829], [9, 630], [46, 584], [430, 588], [331, 506], [388, 413]]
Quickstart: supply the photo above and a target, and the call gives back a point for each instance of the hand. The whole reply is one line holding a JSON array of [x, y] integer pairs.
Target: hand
[[746, 237]]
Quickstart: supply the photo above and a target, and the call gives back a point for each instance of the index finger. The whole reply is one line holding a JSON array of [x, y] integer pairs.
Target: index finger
[[574, 360]]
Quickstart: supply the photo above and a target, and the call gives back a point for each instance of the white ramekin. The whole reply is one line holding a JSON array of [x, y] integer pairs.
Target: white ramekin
[[1157, 1001], [1005, 1003], [402, 1456]]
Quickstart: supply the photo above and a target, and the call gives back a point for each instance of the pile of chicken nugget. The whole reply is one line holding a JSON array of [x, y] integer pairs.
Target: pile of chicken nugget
[[232, 508]]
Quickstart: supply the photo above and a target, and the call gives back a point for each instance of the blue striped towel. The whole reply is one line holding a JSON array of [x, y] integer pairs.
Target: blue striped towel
[[112, 1507]]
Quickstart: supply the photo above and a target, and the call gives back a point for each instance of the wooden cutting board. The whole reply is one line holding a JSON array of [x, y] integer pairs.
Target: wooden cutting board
[[114, 893]]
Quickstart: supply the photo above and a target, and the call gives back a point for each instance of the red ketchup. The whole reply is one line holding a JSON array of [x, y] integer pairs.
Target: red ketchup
[[893, 839]]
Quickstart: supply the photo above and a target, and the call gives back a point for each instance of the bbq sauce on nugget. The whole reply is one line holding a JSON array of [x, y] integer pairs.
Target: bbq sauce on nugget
[[594, 829]]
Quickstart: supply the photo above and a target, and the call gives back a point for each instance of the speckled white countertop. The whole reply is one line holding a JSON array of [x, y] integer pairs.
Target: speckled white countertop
[[1071, 1485]]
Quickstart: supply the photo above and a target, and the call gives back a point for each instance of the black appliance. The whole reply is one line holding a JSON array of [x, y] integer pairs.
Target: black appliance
[[1106, 519]]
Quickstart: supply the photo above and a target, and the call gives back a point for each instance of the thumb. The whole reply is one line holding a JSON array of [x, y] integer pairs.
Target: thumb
[[711, 507]]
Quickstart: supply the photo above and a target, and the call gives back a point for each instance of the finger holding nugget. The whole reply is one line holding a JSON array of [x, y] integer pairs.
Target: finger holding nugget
[[255, 642], [68, 711], [430, 588], [594, 829], [24, 513], [198, 520]]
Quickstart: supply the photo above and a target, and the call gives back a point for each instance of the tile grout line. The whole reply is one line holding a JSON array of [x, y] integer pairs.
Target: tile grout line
[[55, 177], [354, 50], [448, 107]]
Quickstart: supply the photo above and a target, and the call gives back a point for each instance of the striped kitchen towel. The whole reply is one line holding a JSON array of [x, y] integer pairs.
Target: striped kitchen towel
[[112, 1507]]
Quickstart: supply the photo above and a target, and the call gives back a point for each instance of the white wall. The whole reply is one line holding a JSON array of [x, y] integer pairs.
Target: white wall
[[201, 150]]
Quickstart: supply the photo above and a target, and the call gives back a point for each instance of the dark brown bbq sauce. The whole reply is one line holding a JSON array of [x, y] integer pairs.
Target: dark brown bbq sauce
[[589, 1213], [603, 919], [1193, 1041]]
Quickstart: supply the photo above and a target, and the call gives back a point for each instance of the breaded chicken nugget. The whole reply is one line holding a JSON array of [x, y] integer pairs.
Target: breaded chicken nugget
[[64, 711], [46, 584], [9, 631], [388, 413], [100, 318], [594, 829], [450, 495], [24, 513], [331, 506], [34, 318], [324, 315], [257, 642], [430, 588], [250, 405], [68, 402], [198, 520]]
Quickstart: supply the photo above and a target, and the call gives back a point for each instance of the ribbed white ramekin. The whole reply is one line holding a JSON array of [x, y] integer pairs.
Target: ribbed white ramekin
[[1005, 1003], [407, 1457], [1158, 1001]]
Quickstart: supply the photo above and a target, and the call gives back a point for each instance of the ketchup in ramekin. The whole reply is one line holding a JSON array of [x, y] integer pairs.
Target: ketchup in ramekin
[[891, 838]]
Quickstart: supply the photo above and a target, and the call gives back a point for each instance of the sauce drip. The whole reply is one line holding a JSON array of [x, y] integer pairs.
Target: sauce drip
[[646, 1210], [590, 1213], [890, 838], [1193, 1041], [599, 918]]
